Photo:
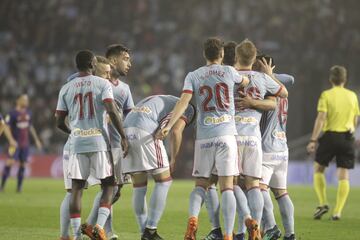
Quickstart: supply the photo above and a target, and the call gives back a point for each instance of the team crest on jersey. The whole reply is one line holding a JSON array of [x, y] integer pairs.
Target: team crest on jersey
[[281, 135], [246, 120], [217, 120], [143, 109], [92, 132]]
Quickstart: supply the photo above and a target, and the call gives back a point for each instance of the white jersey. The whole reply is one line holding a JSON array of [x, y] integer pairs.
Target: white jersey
[[248, 120], [82, 99], [213, 88]]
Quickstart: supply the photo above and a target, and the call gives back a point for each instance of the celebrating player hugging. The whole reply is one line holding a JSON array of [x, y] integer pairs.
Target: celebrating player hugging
[[241, 115]]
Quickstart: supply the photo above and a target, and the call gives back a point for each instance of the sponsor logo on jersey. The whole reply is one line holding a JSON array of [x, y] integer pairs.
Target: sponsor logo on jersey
[[142, 109], [246, 120], [92, 132], [131, 137], [217, 120], [22, 125], [281, 135]]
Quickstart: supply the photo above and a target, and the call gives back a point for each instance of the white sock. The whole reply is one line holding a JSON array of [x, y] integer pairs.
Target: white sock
[[256, 203], [65, 216], [197, 197], [103, 214], [109, 223], [287, 214], [75, 224], [228, 203], [242, 208], [157, 203], [213, 206], [268, 212], [139, 205], [95, 209]]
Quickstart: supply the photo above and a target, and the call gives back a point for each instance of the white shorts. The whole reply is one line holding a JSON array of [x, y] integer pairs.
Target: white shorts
[[96, 164], [274, 170], [250, 156], [117, 155], [67, 180], [216, 156], [145, 153]]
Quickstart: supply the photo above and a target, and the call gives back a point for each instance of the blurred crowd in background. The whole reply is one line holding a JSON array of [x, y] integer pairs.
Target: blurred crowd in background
[[38, 40]]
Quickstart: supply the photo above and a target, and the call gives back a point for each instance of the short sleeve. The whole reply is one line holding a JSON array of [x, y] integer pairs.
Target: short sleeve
[[322, 104], [357, 112], [129, 103], [107, 92], [188, 114], [61, 108], [188, 86], [235, 75], [272, 87]]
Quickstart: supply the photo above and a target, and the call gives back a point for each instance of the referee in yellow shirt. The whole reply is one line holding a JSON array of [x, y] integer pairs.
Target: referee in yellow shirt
[[338, 111]]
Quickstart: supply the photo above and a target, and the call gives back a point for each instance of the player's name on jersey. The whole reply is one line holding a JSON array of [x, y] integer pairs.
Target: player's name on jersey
[[281, 135], [213, 72], [83, 83], [246, 120], [142, 109], [86, 132], [217, 120]]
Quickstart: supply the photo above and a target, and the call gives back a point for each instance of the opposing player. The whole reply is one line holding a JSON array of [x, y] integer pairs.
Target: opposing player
[[247, 124], [20, 124], [275, 156], [148, 156], [215, 145], [85, 100]]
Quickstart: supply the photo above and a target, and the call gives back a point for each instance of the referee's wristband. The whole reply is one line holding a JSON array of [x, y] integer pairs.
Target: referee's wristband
[[313, 140]]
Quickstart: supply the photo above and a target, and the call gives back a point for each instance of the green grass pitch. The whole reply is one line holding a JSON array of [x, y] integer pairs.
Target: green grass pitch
[[34, 214]]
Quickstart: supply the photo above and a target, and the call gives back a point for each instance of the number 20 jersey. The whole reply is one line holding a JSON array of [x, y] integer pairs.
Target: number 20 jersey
[[82, 99], [248, 120], [213, 87]]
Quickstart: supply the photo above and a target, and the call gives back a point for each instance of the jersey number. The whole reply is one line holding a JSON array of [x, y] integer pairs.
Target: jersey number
[[80, 98], [283, 106], [220, 89]]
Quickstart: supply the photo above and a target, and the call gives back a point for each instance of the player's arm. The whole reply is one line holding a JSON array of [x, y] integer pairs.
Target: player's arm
[[175, 141], [7, 132], [268, 69], [177, 112], [115, 118], [318, 126], [61, 124], [35, 137], [245, 102]]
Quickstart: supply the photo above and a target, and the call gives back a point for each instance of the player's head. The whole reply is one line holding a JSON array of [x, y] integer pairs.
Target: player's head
[[245, 53], [85, 61], [119, 57], [338, 75], [259, 57], [229, 53], [102, 68], [213, 49], [22, 101]]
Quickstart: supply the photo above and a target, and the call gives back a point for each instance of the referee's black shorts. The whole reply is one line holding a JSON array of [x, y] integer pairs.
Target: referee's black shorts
[[339, 145]]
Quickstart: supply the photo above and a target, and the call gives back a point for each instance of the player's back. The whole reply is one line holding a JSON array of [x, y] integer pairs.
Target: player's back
[[213, 87], [150, 112], [84, 97], [247, 120]]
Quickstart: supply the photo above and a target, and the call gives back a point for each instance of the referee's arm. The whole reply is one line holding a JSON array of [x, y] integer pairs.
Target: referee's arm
[[318, 126]]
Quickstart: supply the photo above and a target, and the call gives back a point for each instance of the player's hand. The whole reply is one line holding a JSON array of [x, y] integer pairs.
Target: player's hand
[[244, 103], [162, 133], [125, 146], [266, 67], [311, 147]]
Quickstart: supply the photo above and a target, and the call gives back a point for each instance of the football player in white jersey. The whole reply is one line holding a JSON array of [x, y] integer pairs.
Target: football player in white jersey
[[215, 147], [85, 100]]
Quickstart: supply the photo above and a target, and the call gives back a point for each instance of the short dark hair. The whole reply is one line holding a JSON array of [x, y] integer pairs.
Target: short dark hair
[[212, 48], [84, 60], [115, 49], [338, 75], [246, 52], [229, 53]]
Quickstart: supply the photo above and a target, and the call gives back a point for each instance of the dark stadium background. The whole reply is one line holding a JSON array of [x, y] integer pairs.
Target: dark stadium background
[[38, 40]]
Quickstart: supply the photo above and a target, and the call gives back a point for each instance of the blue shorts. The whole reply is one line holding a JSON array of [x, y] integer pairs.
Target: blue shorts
[[20, 154]]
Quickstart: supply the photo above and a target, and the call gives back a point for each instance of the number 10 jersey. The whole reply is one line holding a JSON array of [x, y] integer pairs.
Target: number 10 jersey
[[82, 99], [213, 88]]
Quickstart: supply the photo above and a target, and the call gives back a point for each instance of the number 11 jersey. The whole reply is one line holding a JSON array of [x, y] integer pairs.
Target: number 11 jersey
[[82, 99], [213, 88]]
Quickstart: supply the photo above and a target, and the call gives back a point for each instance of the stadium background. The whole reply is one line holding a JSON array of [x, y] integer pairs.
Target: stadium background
[[38, 40]]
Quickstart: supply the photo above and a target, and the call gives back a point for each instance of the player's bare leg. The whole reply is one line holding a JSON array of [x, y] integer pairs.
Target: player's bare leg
[[6, 173], [197, 198], [286, 208], [228, 201], [75, 206], [269, 227]]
